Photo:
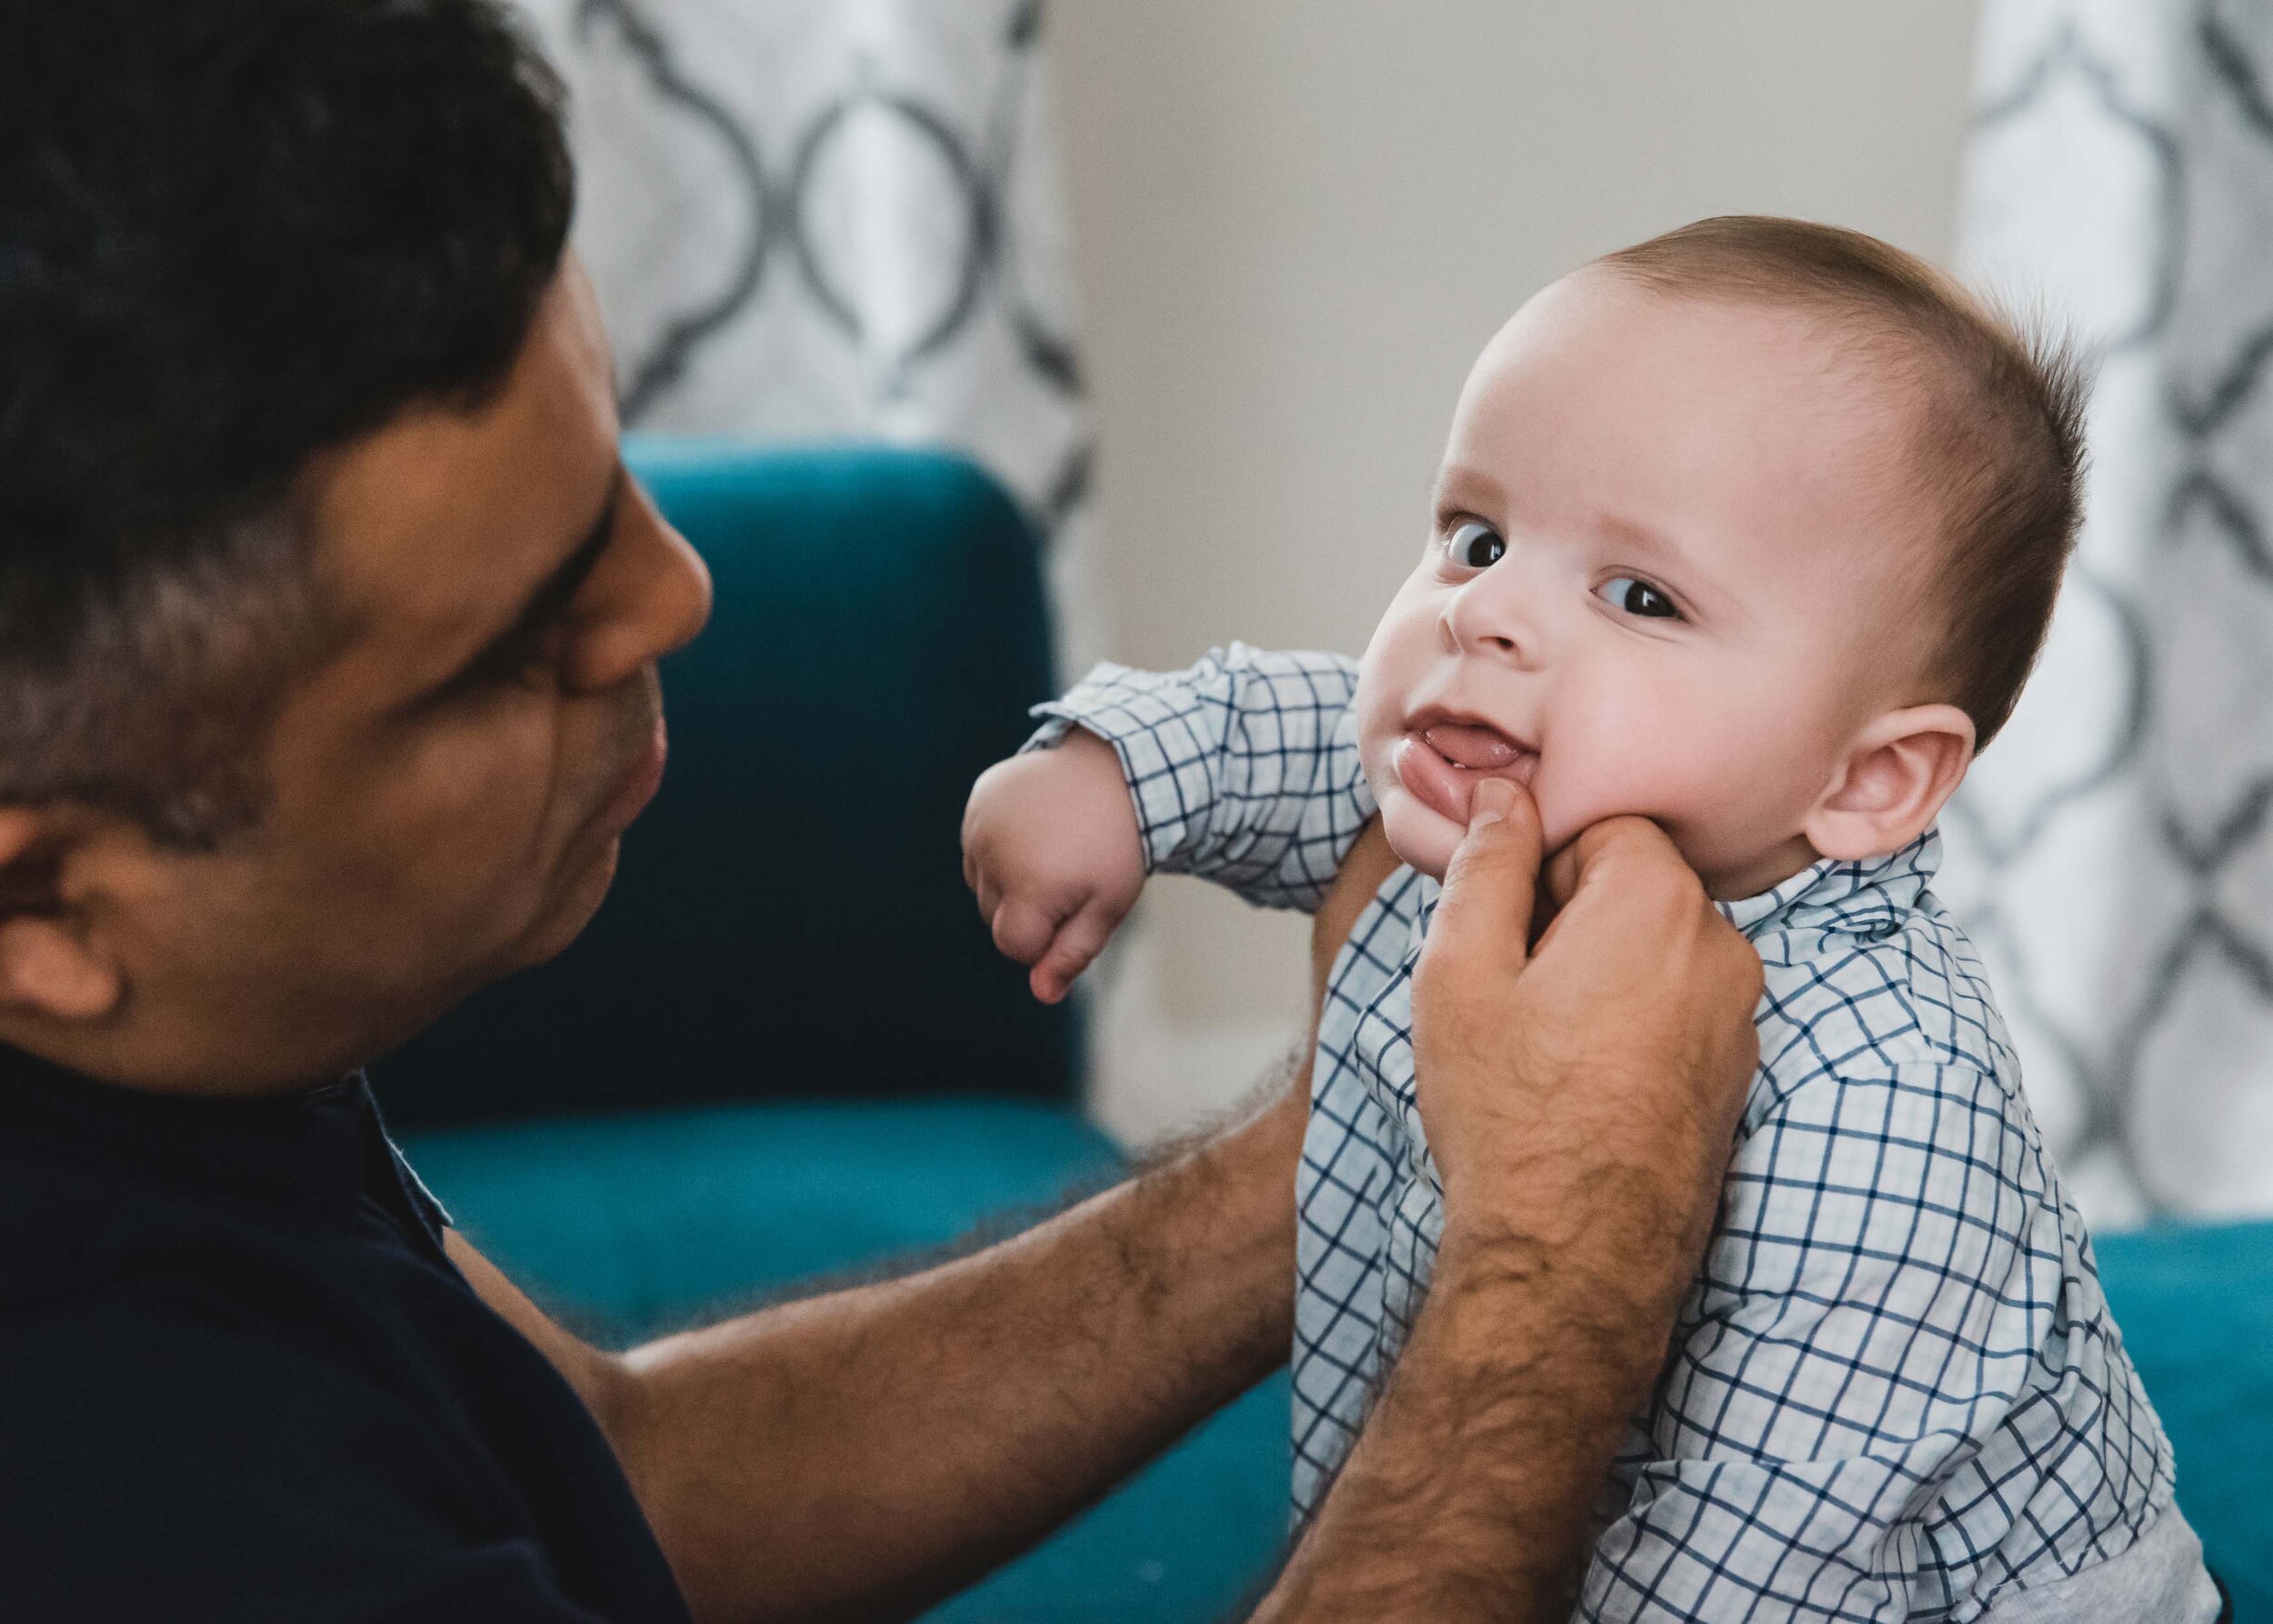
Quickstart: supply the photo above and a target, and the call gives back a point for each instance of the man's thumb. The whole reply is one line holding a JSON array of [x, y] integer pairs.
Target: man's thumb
[[1488, 885]]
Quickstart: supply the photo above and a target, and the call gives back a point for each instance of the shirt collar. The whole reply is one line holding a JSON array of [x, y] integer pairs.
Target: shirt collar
[[1865, 898], [309, 1151]]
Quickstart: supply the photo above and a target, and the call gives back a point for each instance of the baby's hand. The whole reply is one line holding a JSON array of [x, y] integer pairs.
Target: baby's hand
[[1051, 847]]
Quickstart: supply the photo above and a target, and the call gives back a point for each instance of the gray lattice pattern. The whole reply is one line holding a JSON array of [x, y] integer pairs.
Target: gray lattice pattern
[[810, 219], [2113, 853]]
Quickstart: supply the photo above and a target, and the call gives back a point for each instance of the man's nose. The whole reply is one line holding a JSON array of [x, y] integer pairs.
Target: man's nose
[[1495, 617], [651, 594]]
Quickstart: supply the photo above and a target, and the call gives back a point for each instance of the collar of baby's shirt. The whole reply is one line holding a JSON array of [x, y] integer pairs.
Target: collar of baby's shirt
[[1421, 899], [1867, 899]]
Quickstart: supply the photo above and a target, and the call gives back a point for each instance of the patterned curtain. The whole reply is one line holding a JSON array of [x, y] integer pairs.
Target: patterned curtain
[[813, 219], [2114, 852]]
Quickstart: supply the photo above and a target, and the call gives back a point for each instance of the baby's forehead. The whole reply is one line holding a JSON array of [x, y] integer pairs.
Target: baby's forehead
[[1792, 351], [1707, 418]]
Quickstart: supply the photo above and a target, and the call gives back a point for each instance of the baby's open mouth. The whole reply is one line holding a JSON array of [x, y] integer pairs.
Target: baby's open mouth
[[1441, 764]]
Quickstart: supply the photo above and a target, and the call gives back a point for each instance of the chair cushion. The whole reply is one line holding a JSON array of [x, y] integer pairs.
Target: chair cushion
[[789, 917], [632, 1224], [2195, 1304]]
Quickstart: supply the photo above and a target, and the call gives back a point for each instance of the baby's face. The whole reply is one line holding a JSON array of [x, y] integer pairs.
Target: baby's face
[[1672, 571]]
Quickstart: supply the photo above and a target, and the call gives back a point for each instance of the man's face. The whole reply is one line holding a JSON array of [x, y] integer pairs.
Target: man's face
[[449, 784], [1670, 573]]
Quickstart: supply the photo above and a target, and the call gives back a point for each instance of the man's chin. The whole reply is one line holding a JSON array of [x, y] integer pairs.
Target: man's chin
[[578, 899]]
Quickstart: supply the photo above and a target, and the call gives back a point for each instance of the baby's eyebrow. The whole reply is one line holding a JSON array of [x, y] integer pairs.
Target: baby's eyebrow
[[1456, 483]]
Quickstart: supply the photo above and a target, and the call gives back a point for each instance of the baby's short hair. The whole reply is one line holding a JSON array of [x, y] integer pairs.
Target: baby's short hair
[[2001, 435]]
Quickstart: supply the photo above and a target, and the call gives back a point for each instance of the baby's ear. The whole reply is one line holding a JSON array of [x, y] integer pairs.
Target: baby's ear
[[1892, 783]]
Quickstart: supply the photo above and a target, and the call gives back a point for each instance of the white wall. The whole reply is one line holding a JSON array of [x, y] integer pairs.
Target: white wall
[[1296, 222]]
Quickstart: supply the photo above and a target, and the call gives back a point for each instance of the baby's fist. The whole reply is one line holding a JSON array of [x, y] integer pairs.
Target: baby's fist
[[1051, 847]]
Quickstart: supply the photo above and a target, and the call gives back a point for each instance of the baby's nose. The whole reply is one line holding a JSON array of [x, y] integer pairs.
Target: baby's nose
[[1495, 620]]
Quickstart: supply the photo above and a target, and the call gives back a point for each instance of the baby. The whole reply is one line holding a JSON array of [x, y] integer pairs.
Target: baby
[[1753, 530]]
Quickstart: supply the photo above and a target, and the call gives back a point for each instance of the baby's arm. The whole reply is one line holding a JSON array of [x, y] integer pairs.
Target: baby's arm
[[1242, 769], [1872, 1304]]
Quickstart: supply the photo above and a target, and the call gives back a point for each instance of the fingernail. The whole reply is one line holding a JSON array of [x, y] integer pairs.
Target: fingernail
[[1490, 803]]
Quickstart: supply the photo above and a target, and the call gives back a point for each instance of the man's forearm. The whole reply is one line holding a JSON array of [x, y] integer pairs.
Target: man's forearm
[[1580, 1104], [1468, 1496], [863, 1453]]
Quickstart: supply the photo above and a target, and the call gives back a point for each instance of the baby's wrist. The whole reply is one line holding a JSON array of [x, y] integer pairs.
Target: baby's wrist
[[1104, 778], [1078, 742]]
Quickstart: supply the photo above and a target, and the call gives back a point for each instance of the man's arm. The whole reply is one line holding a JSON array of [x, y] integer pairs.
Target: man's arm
[[863, 1454], [1580, 1102]]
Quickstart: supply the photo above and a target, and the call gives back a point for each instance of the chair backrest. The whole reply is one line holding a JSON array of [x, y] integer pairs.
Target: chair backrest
[[789, 917]]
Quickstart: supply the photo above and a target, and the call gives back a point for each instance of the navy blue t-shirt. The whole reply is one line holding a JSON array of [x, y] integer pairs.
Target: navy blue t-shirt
[[240, 1381]]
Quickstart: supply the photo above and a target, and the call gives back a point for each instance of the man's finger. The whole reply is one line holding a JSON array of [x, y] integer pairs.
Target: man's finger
[[1489, 885], [1622, 866], [1602, 846]]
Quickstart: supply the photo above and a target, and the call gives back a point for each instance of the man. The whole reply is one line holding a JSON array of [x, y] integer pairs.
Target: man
[[329, 632]]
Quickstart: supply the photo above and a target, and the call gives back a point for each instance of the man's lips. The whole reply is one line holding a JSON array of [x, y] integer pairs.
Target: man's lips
[[638, 786], [1439, 763]]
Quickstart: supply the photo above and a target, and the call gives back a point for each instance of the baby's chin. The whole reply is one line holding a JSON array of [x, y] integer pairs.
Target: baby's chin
[[1423, 838], [1422, 828]]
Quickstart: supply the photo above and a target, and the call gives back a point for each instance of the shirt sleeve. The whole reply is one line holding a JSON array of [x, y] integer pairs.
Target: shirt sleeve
[[1869, 1310], [1243, 769]]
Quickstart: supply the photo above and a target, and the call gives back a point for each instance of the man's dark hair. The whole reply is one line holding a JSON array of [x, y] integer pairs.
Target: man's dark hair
[[2000, 412], [232, 234]]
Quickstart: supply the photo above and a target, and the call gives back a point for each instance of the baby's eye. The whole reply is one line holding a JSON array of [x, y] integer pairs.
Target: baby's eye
[[1636, 597], [1475, 545]]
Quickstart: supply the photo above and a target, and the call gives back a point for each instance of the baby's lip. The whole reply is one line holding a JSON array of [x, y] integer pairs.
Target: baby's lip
[[1469, 742], [1441, 760], [1478, 749]]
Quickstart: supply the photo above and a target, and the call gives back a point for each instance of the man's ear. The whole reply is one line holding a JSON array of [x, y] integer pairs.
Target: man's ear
[[1892, 783], [48, 968]]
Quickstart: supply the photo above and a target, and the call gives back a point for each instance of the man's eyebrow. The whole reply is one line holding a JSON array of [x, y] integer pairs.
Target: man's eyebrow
[[557, 590]]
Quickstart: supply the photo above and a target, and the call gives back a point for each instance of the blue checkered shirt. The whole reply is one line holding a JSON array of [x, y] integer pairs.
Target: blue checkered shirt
[[1894, 1391]]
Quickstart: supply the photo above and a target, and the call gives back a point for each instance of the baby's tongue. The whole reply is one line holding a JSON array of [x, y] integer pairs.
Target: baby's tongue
[[1479, 747]]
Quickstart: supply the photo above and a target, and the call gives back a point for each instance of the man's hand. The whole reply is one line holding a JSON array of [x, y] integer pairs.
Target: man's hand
[[1579, 1099], [1051, 847], [1582, 1094]]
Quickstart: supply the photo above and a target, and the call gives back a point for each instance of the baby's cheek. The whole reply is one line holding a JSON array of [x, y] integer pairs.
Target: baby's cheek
[[1380, 707], [1724, 781], [1638, 758]]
